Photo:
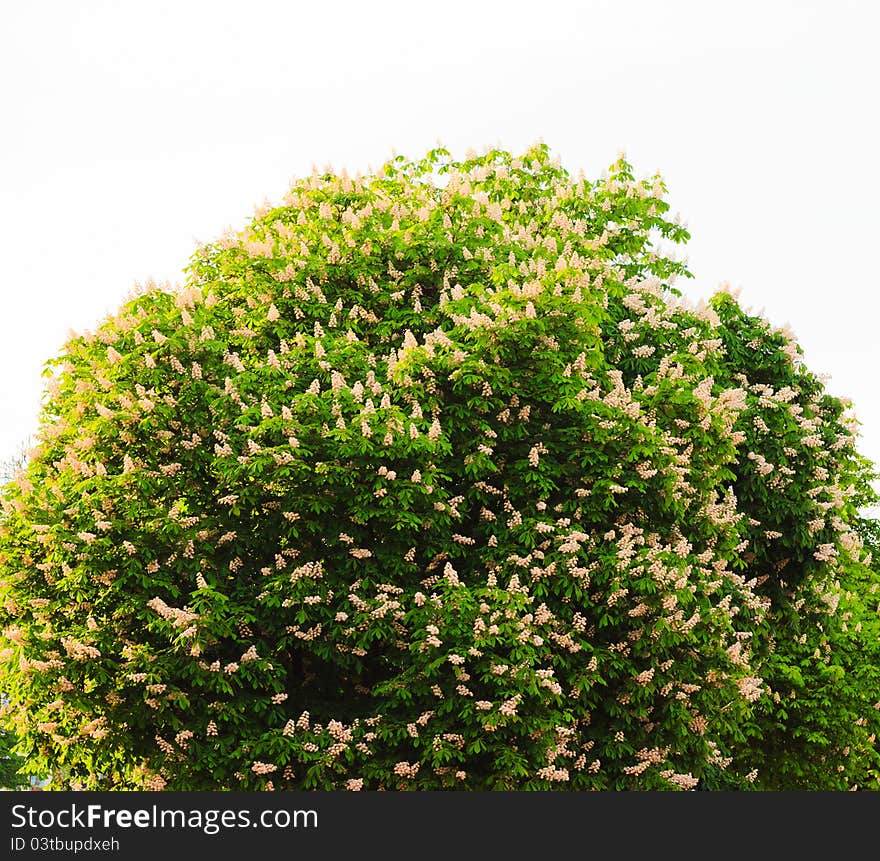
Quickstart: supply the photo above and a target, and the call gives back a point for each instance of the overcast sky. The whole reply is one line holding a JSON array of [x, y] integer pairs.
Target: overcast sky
[[131, 131]]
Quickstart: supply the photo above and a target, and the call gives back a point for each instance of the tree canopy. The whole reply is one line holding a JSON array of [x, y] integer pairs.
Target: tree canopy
[[431, 478]]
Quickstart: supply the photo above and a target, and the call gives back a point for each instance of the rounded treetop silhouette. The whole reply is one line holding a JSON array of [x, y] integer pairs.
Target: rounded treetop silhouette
[[430, 479]]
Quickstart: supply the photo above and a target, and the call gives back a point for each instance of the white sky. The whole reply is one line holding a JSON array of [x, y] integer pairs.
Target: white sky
[[129, 131]]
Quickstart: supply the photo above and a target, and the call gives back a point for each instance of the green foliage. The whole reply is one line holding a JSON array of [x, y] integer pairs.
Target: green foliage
[[429, 479], [11, 764]]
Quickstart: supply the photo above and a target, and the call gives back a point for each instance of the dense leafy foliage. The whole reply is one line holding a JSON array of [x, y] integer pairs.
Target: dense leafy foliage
[[10, 763], [431, 479]]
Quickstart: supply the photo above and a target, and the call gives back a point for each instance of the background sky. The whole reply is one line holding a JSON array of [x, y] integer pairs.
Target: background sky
[[131, 131]]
